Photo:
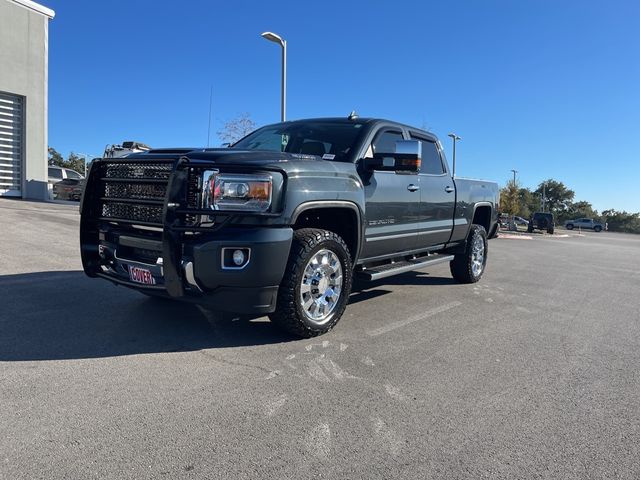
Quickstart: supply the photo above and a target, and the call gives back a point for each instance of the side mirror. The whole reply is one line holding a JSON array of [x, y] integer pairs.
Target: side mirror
[[226, 145], [407, 158]]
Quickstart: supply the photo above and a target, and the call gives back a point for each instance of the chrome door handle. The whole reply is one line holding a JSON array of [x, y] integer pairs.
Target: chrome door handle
[[413, 188], [448, 189]]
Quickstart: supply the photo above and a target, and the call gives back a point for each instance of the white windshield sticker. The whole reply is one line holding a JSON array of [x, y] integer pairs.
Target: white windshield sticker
[[328, 156]]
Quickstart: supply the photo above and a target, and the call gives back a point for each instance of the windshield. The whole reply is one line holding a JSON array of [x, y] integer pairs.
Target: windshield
[[329, 140]]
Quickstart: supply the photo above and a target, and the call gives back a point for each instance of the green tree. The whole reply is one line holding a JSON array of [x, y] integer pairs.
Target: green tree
[[55, 158], [529, 203], [622, 221], [558, 195], [75, 162], [510, 198], [579, 210]]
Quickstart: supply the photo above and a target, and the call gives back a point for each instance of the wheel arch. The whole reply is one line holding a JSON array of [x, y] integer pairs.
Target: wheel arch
[[482, 215], [339, 216]]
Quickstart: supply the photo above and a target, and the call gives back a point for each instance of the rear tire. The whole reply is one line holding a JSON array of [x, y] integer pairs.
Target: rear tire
[[550, 231], [316, 285], [469, 266]]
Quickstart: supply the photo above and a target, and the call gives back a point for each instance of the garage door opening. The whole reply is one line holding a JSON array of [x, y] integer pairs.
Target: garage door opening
[[11, 144]]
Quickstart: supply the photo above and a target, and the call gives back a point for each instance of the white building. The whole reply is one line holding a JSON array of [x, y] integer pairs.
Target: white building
[[24, 44]]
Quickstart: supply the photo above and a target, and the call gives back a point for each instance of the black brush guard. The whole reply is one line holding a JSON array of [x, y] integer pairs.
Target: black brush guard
[[179, 216]]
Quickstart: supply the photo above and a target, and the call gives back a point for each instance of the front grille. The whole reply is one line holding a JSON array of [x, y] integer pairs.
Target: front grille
[[134, 213], [138, 191], [158, 171], [134, 192]]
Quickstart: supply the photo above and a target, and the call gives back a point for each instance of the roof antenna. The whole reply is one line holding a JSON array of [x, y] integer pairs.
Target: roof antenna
[[209, 127], [353, 115]]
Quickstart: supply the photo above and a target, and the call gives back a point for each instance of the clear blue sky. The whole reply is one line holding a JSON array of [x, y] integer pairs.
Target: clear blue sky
[[548, 87]]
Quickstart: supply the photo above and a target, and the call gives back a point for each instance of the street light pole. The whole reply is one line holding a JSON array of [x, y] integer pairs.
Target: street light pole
[[273, 37], [85, 156], [513, 220], [454, 137]]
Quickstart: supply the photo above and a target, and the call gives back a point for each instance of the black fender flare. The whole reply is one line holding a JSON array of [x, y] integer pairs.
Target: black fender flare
[[320, 204], [475, 208]]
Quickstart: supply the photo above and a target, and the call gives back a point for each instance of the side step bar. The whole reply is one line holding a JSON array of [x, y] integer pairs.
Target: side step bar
[[387, 270]]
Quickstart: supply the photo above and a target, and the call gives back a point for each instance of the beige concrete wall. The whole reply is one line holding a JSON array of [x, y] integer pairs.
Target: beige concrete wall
[[24, 71]]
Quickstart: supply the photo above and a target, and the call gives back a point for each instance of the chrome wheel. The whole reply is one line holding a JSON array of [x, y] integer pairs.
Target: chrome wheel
[[321, 286], [477, 255]]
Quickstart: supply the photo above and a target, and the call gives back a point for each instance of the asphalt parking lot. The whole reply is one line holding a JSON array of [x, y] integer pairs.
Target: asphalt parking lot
[[531, 373]]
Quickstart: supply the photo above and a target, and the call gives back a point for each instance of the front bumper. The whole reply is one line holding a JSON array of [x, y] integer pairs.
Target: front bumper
[[186, 261]]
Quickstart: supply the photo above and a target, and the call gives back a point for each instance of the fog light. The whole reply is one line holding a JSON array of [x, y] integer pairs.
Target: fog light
[[238, 257], [234, 258]]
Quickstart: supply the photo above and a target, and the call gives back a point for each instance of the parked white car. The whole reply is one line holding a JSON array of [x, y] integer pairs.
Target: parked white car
[[584, 223], [57, 174]]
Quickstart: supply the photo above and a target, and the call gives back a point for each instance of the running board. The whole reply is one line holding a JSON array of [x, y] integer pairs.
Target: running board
[[389, 269]]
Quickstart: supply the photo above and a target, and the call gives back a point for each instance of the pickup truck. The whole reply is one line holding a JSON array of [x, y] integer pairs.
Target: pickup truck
[[584, 223], [282, 221]]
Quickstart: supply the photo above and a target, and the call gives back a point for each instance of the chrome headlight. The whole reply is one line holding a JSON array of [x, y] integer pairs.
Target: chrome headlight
[[236, 191]]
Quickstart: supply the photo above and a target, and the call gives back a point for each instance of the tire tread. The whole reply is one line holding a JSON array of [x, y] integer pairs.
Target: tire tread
[[286, 316], [460, 266]]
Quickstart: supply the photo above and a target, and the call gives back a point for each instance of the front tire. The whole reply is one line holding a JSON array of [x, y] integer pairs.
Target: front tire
[[316, 285], [468, 267], [597, 228], [569, 226]]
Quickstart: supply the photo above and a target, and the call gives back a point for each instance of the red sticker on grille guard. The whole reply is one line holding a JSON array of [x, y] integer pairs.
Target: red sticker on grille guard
[[141, 275]]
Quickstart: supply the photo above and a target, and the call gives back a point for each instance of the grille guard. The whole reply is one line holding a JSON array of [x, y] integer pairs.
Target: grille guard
[[174, 211]]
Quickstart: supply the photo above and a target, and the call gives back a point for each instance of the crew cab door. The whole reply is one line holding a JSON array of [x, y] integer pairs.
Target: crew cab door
[[392, 202], [437, 195]]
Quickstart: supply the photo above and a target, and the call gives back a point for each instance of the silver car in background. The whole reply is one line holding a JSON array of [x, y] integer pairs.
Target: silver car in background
[[584, 223]]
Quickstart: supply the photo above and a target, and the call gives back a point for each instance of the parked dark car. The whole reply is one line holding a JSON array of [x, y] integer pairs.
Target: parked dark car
[[281, 222], [542, 221], [68, 189]]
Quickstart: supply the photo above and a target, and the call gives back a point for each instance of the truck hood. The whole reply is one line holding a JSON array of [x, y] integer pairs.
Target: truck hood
[[230, 156]]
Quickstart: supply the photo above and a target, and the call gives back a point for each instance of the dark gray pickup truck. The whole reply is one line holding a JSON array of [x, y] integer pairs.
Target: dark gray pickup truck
[[282, 221]]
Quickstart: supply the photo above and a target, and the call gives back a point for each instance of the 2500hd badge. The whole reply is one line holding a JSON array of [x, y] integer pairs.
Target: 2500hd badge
[[281, 222]]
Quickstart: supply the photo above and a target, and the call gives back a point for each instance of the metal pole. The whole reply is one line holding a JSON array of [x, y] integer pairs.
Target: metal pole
[[209, 127], [85, 157], [454, 155], [544, 196], [454, 137], [513, 219], [283, 99]]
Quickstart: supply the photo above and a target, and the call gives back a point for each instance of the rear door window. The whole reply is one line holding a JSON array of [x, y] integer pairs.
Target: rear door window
[[55, 173]]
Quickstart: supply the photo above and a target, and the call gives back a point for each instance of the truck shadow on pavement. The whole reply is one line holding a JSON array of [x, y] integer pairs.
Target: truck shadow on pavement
[[363, 290], [64, 315]]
